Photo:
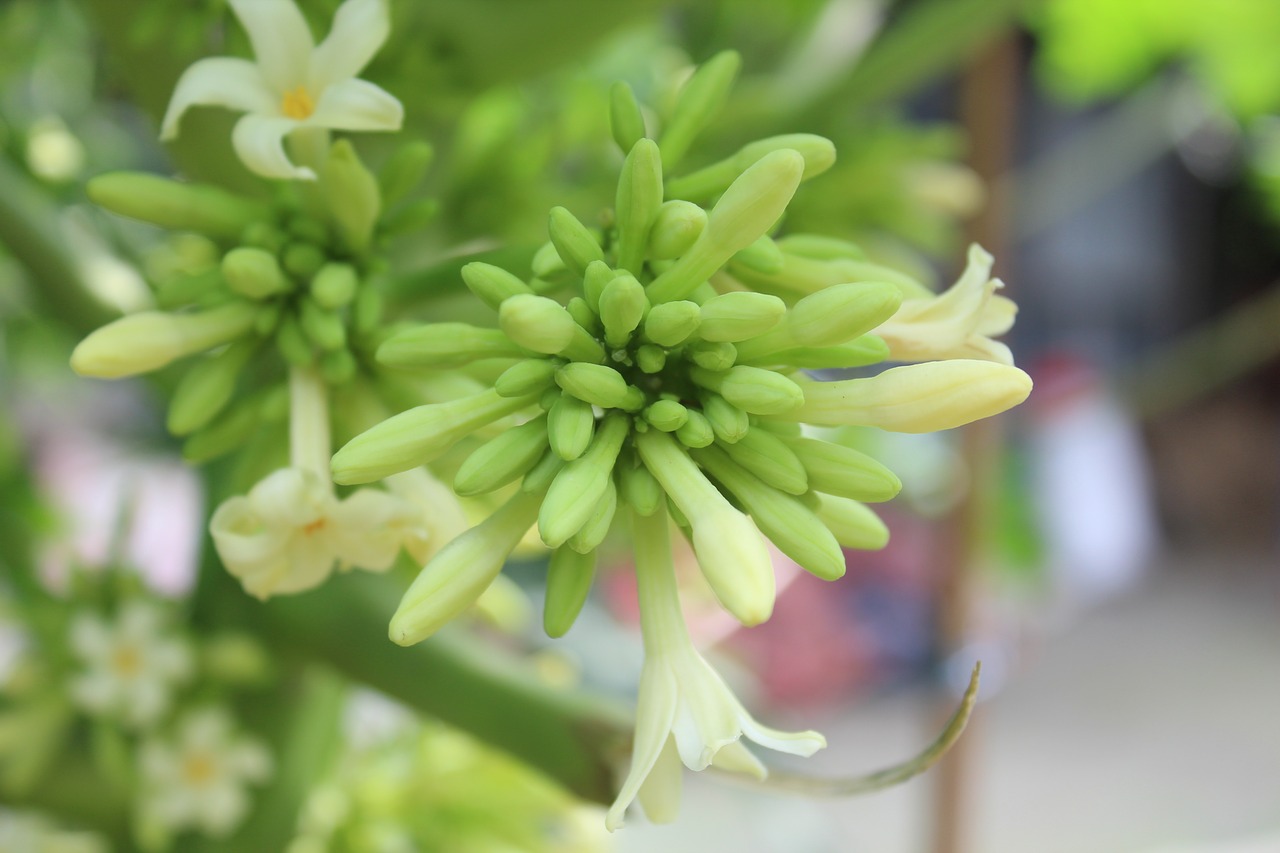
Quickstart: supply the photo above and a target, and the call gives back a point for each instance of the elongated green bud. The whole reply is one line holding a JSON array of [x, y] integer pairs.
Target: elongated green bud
[[544, 325], [303, 260], [788, 523], [712, 355], [149, 340], [748, 209], [267, 320], [739, 316], [802, 275], [916, 397], [546, 263], [867, 349], [752, 389], [569, 576], [591, 534], [531, 376], [322, 327], [410, 218], [638, 201], [651, 358], [181, 291], [445, 345], [582, 314], [696, 431], [574, 242], [763, 256], [539, 478], [335, 285], [577, 490], [593, 383], [461, 571], [570, 425], [338, 366], [352, 196], [821, 248], [206, 388], [254, 273], [492, 284], [841, 313], [677, 226], [367, 311], [818, 152], [843, 471], [671, 323], [226, 433], [666, 415], [405, 170], [502, 459], [638, 489], [418, 436], [699, 102], [728, 422], [626, 121], [294, 345], [769, 458], [174, 205], [731, 553], [853, 525], [622, 307]]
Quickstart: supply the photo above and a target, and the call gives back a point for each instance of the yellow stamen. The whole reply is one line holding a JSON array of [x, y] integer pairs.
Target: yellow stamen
[[126, 661], [297, 103], [198, 768], [315, 526]]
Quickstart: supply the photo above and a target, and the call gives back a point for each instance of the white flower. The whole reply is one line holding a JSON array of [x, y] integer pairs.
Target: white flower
[[686, 713], [132, 665], [198, 780], [288, 533], [30, 833], [293, 83], [958, 323]]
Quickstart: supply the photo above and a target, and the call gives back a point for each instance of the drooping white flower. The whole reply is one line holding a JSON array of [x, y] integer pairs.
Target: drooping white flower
[[958, 323], [292, 83], [198, 779], [686, 713], [133, 665]]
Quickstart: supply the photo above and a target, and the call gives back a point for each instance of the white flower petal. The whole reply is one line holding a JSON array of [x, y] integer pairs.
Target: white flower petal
[[281, 39], [660, 793], [360, 27], [95, 691], [707, 718], [221, 808], [803, 744], [369, 527], [655, 711], [291, 497], [259, 142], [219, 81], [440, 514], [736, 758], [357, 105], [244, 544], [90, 637], [148, 698]]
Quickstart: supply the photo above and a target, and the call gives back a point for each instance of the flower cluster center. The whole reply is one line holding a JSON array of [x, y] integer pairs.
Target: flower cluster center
[[297, 103]]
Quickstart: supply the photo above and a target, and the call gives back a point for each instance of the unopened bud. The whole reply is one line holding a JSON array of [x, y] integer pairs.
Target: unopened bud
[[502, 459], [149, 340], [739, 316], [175, 205], [254, 273]]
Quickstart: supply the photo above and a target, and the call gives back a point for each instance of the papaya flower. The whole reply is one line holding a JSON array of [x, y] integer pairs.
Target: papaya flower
[[292, 84]]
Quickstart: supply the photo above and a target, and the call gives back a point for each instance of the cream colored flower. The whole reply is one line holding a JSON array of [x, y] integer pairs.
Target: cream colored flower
[[292, 83], [958, 323], [686, 713], [133, 665], [197, 780]]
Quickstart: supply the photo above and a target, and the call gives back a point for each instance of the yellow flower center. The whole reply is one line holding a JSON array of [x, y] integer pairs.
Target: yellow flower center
[[198, 768], [315, 526], [126, 661], [297, 103]]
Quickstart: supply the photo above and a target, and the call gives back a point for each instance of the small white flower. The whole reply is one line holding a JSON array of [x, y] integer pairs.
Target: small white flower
[[288, 533], [133, 666], [197, 781], [293, 83], [958, 323], [686, 713], [30, 833]]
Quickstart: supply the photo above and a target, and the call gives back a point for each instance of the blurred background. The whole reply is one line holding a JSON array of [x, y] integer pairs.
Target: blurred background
[[1110, 550]]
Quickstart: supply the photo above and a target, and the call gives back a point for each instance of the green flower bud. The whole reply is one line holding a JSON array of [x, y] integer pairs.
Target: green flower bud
[[853, 525], [728, 422], [768, 457], [917, 397], [531, 376], [591, 534], [818, 152], [183, 290], [206, 388], [352, 196], [309, 230], [712, 355], [650, 358], [543, 325], [461, 571], [570, 425], [802, 275], [492, 284], [638, 488], [666, 415], [677, 226], [335, 285], [322, 327], [418, 436], [593, 383], [445, 345], [867, 349], [502, 459], [263, 235], [699, 102], [149, 340], [338, 367], [622, 307], [626, 121], [404, 170], [638, 201], [367, 312], [752, 389], [739, 316], [748, 209], [303, 260], [268, 319], [582, 314], [254, 273], [762, 256], [410, 218], [295, 348], [821, 248], [843, 471], [228, 432], [574, 243], [697, 431], [788, 523], [577, 490], [594, 281], [671, 323], [547, 264], [539, 478], [569, 576], [841, 313], [174, 205]]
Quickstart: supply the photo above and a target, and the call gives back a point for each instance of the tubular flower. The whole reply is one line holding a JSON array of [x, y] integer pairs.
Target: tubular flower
[[292, 83]]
